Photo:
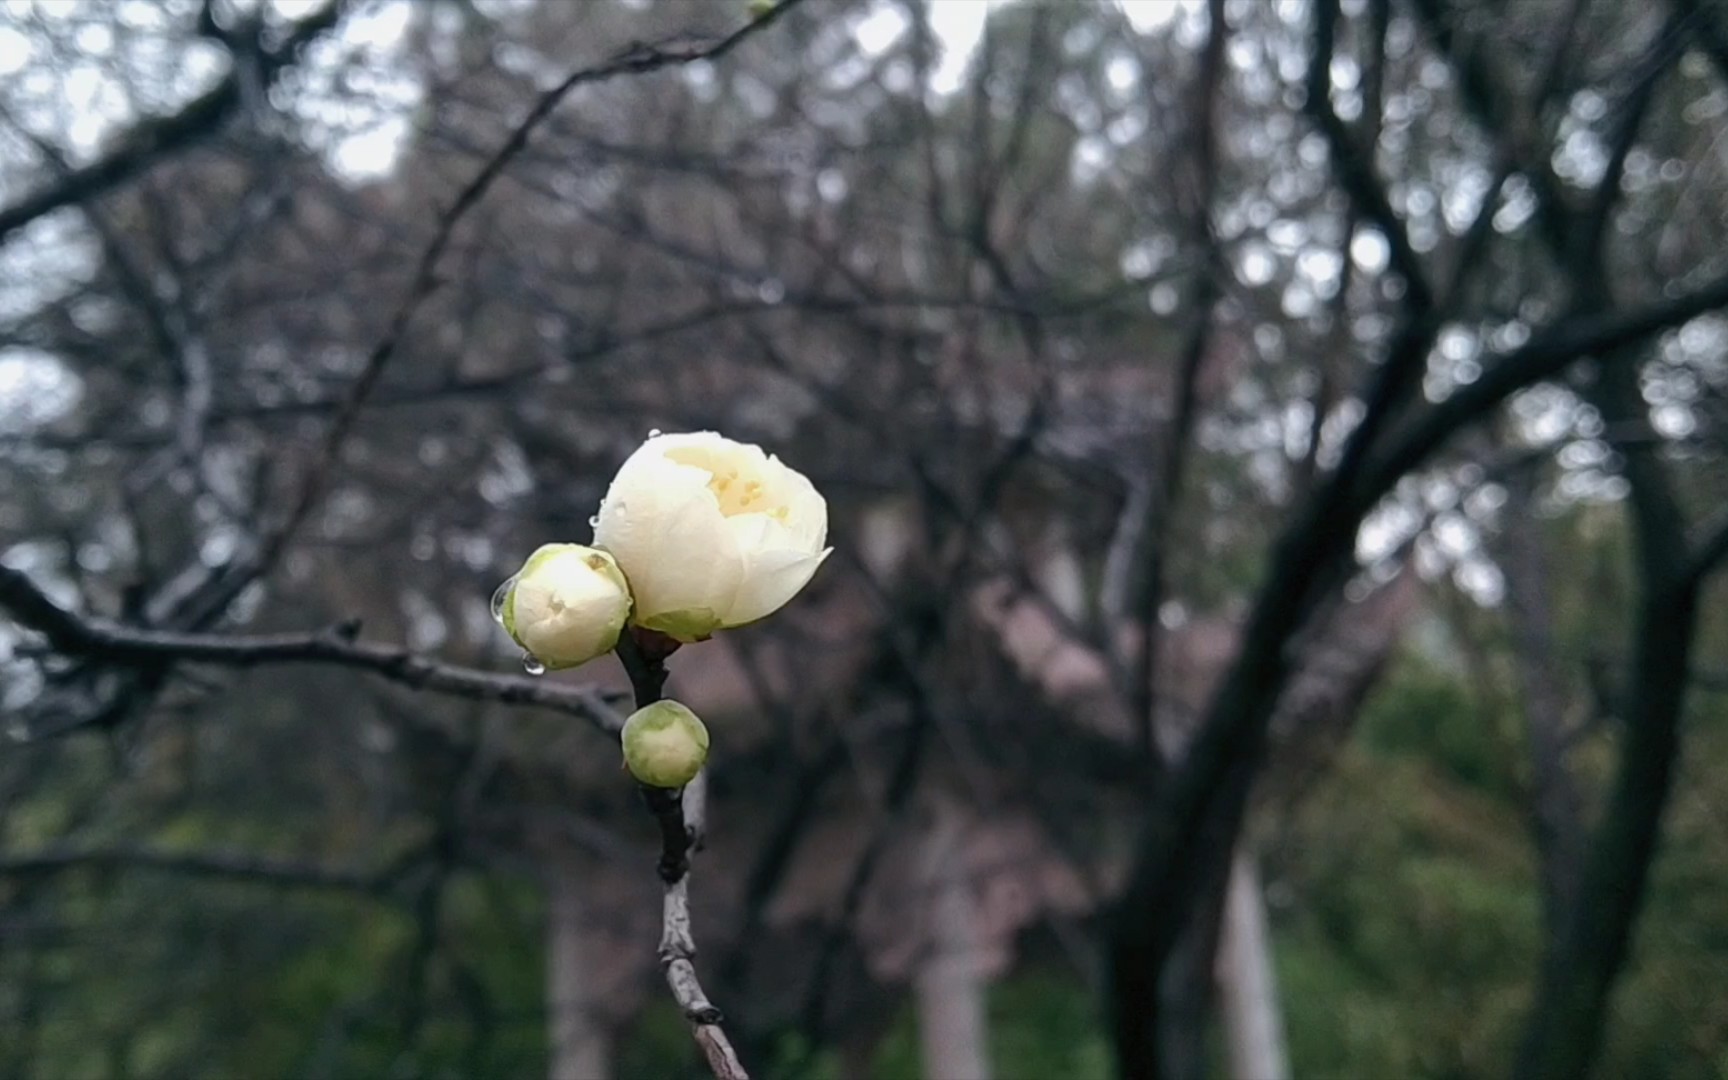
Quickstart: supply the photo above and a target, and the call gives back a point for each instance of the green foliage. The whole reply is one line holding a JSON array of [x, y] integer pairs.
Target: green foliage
[[1410, 926], [1415, 929], [657, 1043], [1667, 1008], [1428, 713], [1041, 1026]]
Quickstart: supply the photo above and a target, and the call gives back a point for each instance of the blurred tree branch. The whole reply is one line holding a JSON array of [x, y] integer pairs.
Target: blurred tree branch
[[151, 140], [638, 59], [197, 608], [1591, 935], [1174, 444], [1186, 842], [101, 641]]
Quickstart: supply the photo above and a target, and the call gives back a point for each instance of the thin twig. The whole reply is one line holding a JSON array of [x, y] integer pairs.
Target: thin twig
[[153, 138], [681, 814], [110, 642], [1354, 163], [1175, 440]]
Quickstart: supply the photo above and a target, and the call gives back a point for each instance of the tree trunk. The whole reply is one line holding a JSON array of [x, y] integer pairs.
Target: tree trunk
[[580, 1044], [1186, 988], [950, 985], [1247, 984]]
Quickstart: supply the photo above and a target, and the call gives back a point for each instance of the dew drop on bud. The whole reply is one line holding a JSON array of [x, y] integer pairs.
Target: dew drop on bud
[[498, 599], [532, 665]]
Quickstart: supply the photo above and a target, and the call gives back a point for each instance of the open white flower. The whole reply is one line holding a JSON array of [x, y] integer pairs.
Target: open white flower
[[568, 605], [711, 533]]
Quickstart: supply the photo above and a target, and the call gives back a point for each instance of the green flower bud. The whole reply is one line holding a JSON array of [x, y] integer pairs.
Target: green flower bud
[[566, 606], [665, 744]]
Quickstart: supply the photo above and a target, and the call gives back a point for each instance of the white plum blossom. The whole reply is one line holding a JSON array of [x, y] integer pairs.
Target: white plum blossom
[[711, 533], [568, 605]]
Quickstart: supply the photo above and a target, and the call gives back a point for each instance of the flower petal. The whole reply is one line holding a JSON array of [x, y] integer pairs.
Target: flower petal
[[775, 569], [806, 509], [711, 451], [567, 605], [663, 525]]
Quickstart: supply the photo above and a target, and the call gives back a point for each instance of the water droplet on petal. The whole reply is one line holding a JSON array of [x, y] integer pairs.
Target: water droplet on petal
[[498, 599], [532, 665], [654, 433], [594, 522]]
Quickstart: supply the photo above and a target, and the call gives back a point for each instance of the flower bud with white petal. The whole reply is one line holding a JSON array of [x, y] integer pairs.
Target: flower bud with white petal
[[568, 605], [665, 744]]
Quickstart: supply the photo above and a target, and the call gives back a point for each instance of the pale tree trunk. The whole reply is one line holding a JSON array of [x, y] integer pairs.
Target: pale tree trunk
[[950, 984], [580, 1044], [1247, 985]]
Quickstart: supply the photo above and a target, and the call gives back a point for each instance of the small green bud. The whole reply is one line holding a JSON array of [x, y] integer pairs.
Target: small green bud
[[665, 744], [759, 8], [566, 606]]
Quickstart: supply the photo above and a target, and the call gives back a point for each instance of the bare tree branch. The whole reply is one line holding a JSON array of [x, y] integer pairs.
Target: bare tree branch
[[1191, 832], [1354, 163], [681, 815], [1543, 357], [106, 642], [1171, 460], [152, 139], [637, 60], [1590, 939], [1175, 1024]]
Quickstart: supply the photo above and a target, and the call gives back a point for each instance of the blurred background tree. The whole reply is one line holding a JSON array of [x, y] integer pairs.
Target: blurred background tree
[[1275, 462]]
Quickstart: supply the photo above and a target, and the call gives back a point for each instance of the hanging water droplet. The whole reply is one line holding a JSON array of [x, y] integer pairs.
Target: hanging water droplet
[[532, 665], [498, 599], [654, 433]]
